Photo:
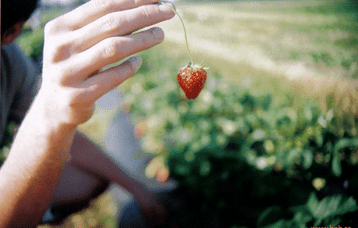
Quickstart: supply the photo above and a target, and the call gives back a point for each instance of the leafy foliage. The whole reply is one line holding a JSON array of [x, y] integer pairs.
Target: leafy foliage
[[243, 155], [325, 212], [31, 42]]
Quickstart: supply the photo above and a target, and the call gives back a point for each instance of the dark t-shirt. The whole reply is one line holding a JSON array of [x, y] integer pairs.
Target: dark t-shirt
[[19, 84]]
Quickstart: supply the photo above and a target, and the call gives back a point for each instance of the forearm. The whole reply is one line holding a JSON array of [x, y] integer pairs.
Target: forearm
[[29, 176], [76, 45], [88, 156]]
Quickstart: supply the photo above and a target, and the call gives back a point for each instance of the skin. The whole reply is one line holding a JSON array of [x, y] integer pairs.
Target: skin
[[12, 33], [48, 148]]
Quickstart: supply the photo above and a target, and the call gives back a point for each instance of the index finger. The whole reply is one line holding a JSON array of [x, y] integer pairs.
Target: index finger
[[95, 9]]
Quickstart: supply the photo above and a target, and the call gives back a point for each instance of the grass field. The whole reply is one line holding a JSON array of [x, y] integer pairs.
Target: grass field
[[312, 45], [265, 43], [291, 38]]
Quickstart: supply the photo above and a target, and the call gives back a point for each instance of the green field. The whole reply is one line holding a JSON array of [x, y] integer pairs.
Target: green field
[[296, 39], [311, 45], [301, 47]]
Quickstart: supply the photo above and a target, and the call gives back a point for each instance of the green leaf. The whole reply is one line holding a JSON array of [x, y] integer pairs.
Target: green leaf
[[269, 216], [307, 159], [317, 222], [330, 115], [302, 217], [205, 168], [334, 222], [330, 206], [266, 102], [345, 143], [292, 155], [319, 140], [336, 166], [312, 203], [258, 134], [349, 205], [280, 224]]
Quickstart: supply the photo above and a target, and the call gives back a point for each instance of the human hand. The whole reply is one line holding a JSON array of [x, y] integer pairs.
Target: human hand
[[81, 42]]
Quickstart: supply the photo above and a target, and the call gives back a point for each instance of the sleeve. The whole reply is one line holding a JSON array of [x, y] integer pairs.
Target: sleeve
[[26, 77]]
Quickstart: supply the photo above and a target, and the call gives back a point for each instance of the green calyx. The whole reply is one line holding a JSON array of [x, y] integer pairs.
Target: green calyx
[[195, 67]]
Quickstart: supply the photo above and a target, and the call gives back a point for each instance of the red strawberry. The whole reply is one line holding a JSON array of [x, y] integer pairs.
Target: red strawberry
[[192, 79]]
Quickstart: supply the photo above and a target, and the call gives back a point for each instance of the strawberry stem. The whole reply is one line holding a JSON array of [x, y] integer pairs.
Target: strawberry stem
[[171, 6]]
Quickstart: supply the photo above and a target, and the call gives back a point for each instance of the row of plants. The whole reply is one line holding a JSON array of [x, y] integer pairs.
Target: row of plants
[[244, 158]]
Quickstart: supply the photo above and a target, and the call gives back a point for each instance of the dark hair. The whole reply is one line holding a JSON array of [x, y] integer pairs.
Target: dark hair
[[13, 11]]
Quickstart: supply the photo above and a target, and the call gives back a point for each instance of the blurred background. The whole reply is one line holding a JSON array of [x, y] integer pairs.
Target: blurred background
[[271, 141]]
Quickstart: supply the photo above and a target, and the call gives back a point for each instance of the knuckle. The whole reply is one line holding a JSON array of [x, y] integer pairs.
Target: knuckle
[[62, 45], [68, 78], [111, 24], [76, 98], [142, 2], [61, 49], [49, 27], [146, 12], [109, 49], [55, 26], [103, 4], [138, 2], [69, 99]]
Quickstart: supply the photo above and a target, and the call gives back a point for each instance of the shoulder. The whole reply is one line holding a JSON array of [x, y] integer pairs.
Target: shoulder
[[20, 78], [17, 63], [21, 72]]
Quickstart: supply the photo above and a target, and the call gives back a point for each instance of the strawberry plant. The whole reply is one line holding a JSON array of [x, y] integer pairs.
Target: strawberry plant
[[242, 157], [236, 151]]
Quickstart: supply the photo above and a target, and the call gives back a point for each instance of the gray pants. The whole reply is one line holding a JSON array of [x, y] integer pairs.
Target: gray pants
[[124, 148], [132, 216]]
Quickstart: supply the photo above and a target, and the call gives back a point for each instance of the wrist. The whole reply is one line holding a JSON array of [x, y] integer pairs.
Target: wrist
[[49, 116], [41, 141], [54, 108]]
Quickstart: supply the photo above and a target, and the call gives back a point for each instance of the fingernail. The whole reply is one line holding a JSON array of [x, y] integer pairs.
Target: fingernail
[[158, 33], [136, 62]]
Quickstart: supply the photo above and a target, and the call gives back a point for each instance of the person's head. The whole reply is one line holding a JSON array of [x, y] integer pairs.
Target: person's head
[[14, 13]]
